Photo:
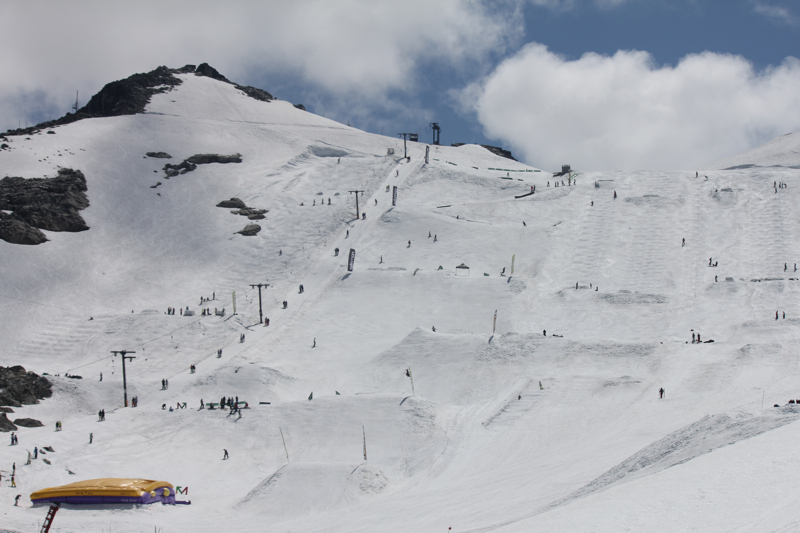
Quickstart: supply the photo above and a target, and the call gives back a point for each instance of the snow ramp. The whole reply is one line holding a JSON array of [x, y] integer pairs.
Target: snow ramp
[[704, 436]]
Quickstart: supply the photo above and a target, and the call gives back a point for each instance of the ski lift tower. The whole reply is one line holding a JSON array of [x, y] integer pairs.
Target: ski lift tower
[[437, 132], [405, 148]]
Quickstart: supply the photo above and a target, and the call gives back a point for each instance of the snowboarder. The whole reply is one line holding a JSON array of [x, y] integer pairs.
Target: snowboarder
[[301, 288], [285, 303], [226, 454], [202, 405], [91, 437], [661, 392], [433, 328], [16, 500]]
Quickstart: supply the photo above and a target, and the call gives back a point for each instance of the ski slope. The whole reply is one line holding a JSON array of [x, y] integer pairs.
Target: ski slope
[[478, 446]]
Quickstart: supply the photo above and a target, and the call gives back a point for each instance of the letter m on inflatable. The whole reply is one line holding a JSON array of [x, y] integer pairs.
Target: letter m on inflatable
[[182, 490]]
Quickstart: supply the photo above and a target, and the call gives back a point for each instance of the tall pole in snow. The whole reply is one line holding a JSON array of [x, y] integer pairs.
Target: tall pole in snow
[[260, 313], [405, 148], [408, 373], [364, 433], [124, 378], [358, 215]]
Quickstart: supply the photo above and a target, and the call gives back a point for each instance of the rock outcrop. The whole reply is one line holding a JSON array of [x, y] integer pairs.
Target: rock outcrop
[[233, 203], [28, 423], [191, 163], [18, 387], [250, 230], [6, 425], [42, 203], [159, 155]]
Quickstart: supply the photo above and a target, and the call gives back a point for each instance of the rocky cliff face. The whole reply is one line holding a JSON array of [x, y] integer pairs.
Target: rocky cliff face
[[18, 387], [30, 205]]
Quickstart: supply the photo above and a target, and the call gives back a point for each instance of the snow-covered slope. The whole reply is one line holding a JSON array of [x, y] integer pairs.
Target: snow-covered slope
[[506, 430], [783, 151]]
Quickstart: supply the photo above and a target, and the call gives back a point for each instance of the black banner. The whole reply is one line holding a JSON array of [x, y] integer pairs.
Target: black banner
[[394, 195], [351, 260]]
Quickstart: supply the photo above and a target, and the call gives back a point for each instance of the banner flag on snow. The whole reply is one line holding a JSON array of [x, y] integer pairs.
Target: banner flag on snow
[[427, 153], [234, 302], [513, 257], [394, 195], [494, 324], [351, 261]]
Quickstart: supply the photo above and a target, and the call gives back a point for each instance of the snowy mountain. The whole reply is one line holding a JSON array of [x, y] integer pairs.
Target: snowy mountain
[[506, 429]]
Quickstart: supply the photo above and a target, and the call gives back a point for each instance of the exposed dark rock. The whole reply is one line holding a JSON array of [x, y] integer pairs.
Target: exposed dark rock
[[28, 423], [202, 159], [250, 230], [254, 92], [6, 410], [16, 231], [188, 69], [301, 107], [19, 387], [255, 217], [235, 203], [159, 155], [204, 69], [6, 425], [4, 146], [199, 159], [499, 151], [51, 132], [44, 203]]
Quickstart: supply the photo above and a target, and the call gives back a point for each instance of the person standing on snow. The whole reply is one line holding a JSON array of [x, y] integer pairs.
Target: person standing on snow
[[661, 392], [226, 454]]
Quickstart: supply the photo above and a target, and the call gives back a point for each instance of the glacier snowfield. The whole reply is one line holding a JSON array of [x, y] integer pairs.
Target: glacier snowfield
[[478, 446]]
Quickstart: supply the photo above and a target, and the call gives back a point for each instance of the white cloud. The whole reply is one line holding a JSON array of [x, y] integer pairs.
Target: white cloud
[[358, 49], [776, 13], [625, 112]]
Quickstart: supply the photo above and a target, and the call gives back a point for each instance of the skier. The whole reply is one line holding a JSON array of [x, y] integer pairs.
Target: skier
[[301, 288], [524, 224], [35, 452], [785, 266], [202, 405], [615, 195], [715, 278], [315, 203], [540, 386], [429, 234], [784, 314], [683, 243], [661, 392], [315, 343], [591, 203], [91, 437], [409, 244], [101, 376], [376, 201], [576, 285], [285, 304], [266, 322], [698, 338], [434, 238], [776, 315], [338, 160], [226, 454], [544, 332], [693, 338], [16, 499], [502, 272], [336, 252], [329, 201], [347, 234], [433, 328]]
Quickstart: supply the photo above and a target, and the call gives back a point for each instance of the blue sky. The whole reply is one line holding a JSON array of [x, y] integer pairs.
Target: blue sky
[[605, 84]]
